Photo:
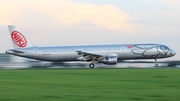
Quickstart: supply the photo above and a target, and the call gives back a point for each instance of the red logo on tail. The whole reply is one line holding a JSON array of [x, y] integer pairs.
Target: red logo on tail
[[19, 39]]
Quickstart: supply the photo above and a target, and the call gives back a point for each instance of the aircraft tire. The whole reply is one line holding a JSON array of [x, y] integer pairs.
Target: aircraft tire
[[91, 65], [157, 65]]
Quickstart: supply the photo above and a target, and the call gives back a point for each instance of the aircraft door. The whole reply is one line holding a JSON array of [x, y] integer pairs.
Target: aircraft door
[[35, 53]]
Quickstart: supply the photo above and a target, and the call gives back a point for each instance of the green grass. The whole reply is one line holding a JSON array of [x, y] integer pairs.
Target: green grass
[[90, 85]]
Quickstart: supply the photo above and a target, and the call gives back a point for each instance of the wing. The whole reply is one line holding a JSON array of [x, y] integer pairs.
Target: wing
[[90, 56]]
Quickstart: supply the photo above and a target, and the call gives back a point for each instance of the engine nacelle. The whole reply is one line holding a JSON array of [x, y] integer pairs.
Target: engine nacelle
[[110, 60]]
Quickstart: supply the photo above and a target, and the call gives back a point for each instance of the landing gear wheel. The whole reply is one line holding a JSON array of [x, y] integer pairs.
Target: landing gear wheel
[[157, 65], [91, 65]]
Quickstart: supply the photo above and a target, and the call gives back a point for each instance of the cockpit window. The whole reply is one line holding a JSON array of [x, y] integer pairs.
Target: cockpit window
[[164, 48]]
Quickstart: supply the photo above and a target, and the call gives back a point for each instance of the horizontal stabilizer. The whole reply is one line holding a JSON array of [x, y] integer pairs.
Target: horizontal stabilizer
[[17, 51]]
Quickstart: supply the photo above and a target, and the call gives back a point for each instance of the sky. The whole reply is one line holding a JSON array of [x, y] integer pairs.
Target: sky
[[84, 22]]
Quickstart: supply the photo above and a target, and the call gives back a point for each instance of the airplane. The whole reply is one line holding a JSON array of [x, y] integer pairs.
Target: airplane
[[107, 54]]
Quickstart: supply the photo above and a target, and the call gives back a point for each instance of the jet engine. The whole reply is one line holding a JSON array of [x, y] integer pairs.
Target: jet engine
[[110, 60]]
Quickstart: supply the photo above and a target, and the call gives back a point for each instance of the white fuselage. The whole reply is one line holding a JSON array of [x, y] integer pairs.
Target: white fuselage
[[69, 53]]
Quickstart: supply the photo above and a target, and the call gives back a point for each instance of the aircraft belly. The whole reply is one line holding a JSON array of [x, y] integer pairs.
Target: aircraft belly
[[126, 54], [69, 56], [59, 57]]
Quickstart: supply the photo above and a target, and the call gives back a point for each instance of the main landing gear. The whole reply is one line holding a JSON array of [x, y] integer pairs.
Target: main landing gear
[[156, 65], [91, 65]]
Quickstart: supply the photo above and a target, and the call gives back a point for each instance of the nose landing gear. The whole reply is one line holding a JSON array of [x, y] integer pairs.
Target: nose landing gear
[[156, 65]]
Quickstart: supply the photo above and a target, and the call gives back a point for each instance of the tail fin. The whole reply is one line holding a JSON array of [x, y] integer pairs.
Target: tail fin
[[18, 40]]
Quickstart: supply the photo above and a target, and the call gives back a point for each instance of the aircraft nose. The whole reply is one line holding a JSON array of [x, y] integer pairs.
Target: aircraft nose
[[173, 53]]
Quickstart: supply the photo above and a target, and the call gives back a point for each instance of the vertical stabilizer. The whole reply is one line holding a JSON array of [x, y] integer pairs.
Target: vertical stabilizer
[[18, 39]]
